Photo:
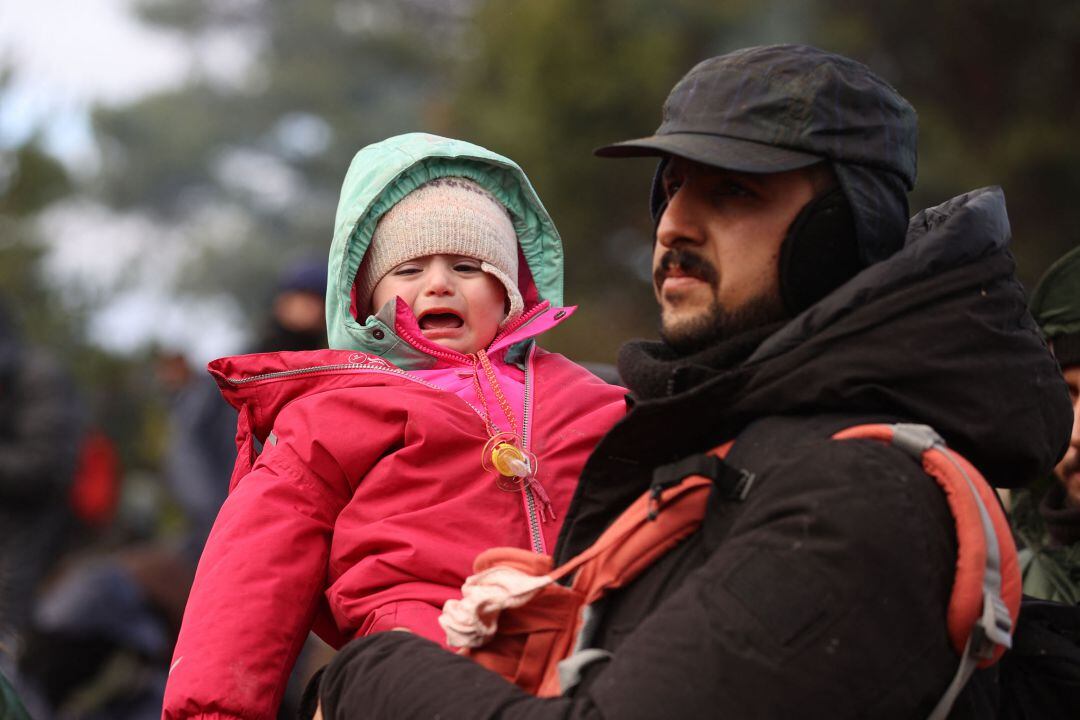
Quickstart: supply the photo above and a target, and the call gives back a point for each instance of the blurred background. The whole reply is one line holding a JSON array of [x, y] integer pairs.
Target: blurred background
[[169, 167]]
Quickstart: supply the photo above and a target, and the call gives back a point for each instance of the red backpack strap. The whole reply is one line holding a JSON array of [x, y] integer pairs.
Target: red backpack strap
[[985, 600], [671, 510], [541, 645]]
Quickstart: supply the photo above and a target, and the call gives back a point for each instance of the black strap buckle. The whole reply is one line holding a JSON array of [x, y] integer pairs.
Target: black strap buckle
[[732, 483]]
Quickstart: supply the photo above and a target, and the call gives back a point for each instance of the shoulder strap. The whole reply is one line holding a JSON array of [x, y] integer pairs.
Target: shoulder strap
[[985, 600], [670, 511]]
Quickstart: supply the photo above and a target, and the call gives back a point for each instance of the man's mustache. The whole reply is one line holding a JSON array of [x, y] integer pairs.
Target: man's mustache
[[689, 263]]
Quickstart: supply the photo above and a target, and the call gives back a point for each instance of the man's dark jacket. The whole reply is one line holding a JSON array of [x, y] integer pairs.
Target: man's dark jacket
[[823, 593]]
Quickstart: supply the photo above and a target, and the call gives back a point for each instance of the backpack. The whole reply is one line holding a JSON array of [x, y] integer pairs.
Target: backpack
[[516, 620]]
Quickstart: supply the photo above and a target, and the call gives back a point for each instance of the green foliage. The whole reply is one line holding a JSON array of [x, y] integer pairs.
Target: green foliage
[[36, 311], [344, 74], [548, 81], [248, 168], [30, 179], [993, 82]]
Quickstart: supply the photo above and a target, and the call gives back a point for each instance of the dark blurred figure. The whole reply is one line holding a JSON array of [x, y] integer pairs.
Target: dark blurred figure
[[201, 448], [103, 632], [1047, 519], [39, 441], [1040, 676], [11, 708], [298, 310], [102, 636]]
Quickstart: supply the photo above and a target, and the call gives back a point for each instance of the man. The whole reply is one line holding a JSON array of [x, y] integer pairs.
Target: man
[[1051, 532], [791, 307]]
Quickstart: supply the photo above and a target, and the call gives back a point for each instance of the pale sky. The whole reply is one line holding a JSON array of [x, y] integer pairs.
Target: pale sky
[[66, 55], [69, 53]]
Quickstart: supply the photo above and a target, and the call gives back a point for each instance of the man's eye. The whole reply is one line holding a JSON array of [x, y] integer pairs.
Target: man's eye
[[671, 187], [733, 189]]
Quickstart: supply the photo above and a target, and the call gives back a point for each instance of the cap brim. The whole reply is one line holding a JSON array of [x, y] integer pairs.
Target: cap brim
[[715, 150]]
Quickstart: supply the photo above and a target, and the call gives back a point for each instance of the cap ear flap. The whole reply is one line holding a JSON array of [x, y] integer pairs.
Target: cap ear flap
[[820, 252]]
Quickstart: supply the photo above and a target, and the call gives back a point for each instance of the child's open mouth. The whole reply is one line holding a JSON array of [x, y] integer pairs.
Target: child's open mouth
[[440, 320]]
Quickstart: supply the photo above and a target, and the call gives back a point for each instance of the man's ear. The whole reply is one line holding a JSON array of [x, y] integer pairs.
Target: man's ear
[[820, 252]]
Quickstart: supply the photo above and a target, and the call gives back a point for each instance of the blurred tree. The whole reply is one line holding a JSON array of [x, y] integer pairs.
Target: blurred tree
[[247, 157], [29, 180], [110, 388], [248, 163], [546, 82], [994, 84]]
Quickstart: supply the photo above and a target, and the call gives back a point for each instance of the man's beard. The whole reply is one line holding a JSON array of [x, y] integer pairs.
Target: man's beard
[[715, 323]]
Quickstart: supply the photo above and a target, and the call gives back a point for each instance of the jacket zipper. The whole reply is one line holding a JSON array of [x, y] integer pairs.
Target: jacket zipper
[[347, 366], [530, 497], [535, 534], [298, 371]]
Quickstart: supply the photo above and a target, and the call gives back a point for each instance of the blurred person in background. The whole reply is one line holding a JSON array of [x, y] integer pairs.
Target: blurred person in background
[[40, 426], [796, 300], [297, 318], [1047, 519], [103, 632], [200, 447]]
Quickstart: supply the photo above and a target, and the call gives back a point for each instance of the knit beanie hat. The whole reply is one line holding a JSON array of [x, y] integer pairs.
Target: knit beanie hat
[[451, 216]]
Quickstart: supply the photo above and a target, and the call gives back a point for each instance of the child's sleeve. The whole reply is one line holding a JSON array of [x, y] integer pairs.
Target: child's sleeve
[[264, 567]]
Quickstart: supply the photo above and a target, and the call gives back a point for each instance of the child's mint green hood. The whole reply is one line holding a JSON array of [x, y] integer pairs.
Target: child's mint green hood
[[382, 174]]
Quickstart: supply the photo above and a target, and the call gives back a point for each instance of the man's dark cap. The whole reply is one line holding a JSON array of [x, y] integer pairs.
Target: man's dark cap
[[782, 107], [1055, 305]]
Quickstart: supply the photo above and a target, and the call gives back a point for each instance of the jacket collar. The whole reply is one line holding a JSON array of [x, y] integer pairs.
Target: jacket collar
[[394, 334]]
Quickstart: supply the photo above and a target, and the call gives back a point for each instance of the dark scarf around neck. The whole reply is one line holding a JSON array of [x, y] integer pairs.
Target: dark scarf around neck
[[653, 370]]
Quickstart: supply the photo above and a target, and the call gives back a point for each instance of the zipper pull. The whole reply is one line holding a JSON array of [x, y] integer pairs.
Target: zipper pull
[[545, 500]]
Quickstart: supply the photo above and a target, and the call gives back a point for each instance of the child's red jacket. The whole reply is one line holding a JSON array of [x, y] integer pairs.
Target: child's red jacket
[[368, 501]]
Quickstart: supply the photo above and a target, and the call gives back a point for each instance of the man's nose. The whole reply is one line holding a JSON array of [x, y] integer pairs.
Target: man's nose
[[681, 221]]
